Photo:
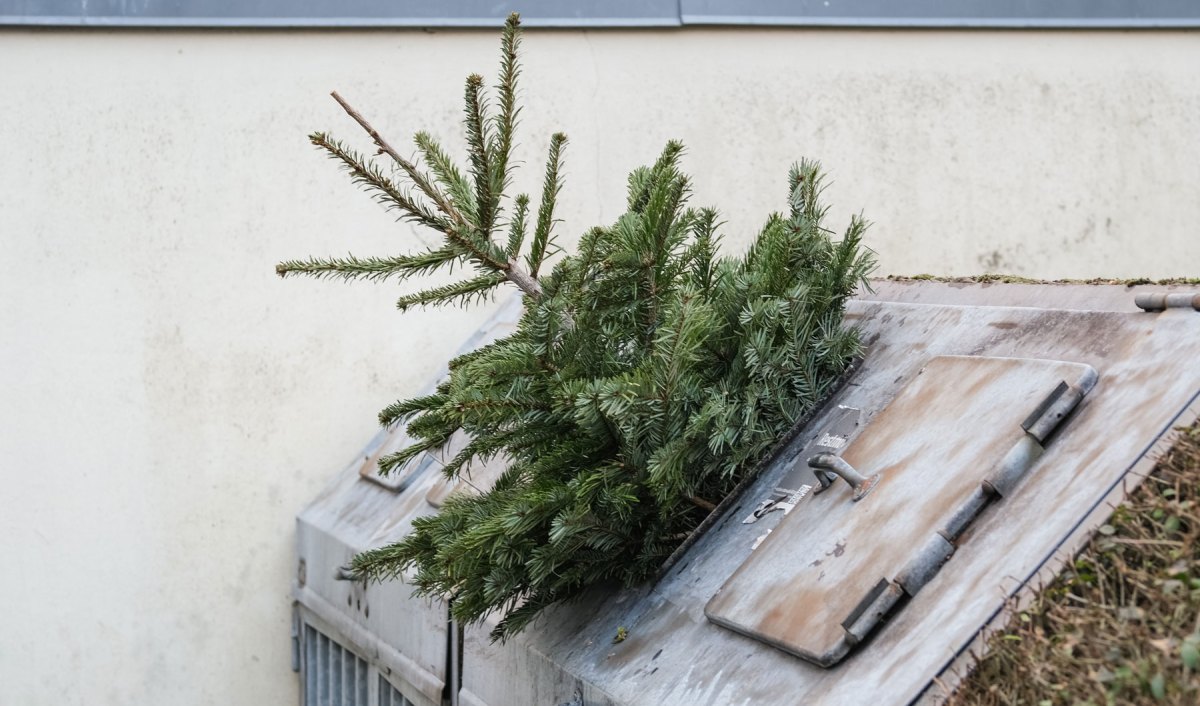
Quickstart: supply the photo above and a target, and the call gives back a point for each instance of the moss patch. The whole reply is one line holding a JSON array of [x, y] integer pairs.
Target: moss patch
[[1015, 279]]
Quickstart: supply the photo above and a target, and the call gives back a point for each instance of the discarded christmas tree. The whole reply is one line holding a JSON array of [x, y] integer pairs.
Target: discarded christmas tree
[[646, 376]]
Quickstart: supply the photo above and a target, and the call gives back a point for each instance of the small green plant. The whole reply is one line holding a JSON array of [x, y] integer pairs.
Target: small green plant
[[645, 379]]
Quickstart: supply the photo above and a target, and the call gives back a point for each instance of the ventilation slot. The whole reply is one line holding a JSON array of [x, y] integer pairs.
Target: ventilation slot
[[388, 696], [333, 675]]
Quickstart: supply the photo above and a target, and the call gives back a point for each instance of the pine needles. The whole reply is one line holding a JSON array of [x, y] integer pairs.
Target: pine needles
[[645, 378]]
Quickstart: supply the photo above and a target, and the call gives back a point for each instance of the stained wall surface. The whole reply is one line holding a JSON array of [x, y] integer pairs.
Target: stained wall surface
[[169, 405]]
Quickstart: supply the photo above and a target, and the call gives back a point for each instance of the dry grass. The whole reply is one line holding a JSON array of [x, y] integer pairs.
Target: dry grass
[[1122, 625]]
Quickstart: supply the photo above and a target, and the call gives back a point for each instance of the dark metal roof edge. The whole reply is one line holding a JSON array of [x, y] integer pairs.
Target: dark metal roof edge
[[663, 21], [109, 22], [945, 22]]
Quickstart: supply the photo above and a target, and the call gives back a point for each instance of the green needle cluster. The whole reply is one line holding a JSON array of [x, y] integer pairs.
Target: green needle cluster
[[647, 376]]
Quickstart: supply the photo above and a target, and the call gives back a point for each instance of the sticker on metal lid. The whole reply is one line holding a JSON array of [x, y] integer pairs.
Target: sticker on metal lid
[[783, 499], [799, 481]]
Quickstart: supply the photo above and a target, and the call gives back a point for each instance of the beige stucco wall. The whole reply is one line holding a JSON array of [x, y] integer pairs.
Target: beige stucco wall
[[168, 404]]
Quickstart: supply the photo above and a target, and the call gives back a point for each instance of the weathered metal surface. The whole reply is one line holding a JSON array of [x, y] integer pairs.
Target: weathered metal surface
[[964, 660], [422, 683], [408, 638], [402, 477], [673, 655], [1047, 295], [932, 447], [782, 452], [405, 638], [389, 695]]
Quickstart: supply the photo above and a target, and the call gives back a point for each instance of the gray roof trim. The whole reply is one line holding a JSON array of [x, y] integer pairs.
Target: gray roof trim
[[1017, 14], [324, 23], [349, 14], [948, 22], [338, 13]]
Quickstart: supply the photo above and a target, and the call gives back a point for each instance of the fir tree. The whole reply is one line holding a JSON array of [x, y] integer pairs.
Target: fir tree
[[645, 379]]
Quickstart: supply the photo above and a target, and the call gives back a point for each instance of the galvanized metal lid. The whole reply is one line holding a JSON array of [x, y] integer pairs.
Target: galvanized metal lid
[[948, 443]]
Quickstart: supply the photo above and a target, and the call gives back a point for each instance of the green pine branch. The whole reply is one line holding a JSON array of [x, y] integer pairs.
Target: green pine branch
[[374, 269], [401, 410], [447, 174], [419, 179], [646, 378], [462, 208], [507, 118], [550, 188], [479, 143], [460, 293], [368, 174], [516, 230]]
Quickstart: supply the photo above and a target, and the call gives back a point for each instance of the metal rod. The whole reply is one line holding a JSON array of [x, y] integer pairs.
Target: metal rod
[[1158, 301], [835, 464]]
